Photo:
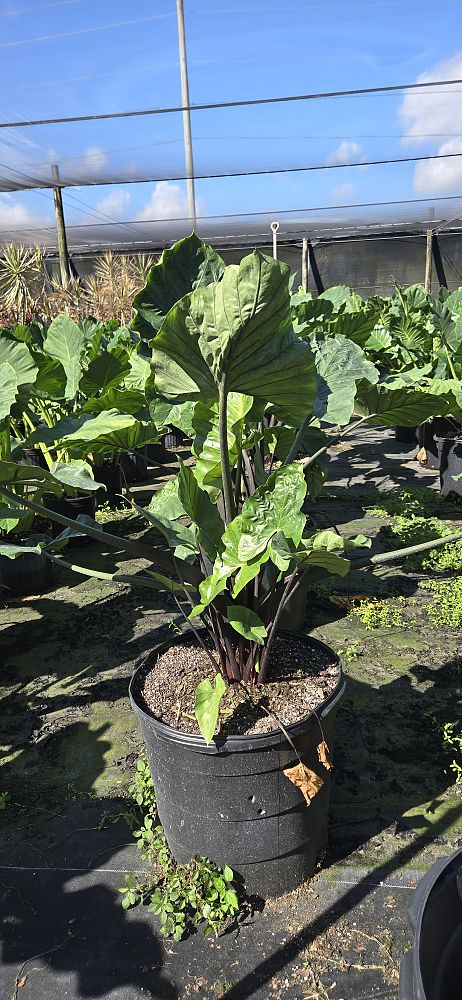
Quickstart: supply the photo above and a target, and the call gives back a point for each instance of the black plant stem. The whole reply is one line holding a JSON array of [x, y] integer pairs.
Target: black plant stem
[[217, 635], [197, 634], [238, 483], [249, 472], [272, 632], [231, 662]]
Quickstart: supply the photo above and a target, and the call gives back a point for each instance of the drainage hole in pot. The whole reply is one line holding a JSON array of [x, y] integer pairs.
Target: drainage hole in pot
[[262, 812], [251, 798]]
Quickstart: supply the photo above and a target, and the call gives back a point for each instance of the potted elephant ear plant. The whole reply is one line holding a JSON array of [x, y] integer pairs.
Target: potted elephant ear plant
[[238, 714]]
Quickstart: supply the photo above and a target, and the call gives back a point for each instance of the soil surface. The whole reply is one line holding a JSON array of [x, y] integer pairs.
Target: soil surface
[[300, 677]]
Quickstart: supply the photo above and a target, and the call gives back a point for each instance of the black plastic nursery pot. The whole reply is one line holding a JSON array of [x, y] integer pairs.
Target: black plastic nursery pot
[[157, 453], [31, 573], [174, 439], [406, 435], [450, 462], [230, 801], [428, 434], [33, 456], [110, 475], [432, 970], [71, 507], [134, 466]]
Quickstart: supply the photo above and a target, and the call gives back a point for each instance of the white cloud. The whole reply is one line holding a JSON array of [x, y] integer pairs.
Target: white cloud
[[433, 119], [13, 215], [167, 201], [94, 159], [346, 152], [114, 203], [440, 176], [426, 112], [343, 192]]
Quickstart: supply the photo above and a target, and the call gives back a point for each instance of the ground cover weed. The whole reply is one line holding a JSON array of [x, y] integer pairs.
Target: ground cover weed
[[380, 614], [182, 896], [406, 531], [446, 608]]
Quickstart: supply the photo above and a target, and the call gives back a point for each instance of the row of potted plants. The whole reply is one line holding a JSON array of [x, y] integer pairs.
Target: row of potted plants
[[238, 715]]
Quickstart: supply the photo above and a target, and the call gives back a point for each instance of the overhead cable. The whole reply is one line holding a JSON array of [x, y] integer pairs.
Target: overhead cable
[[233, 104]]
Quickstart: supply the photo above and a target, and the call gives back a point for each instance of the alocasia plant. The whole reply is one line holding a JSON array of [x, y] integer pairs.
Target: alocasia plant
[[264, 404]]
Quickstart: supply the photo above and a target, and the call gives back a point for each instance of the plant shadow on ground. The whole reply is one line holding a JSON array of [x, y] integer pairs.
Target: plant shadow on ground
[[64, 930]]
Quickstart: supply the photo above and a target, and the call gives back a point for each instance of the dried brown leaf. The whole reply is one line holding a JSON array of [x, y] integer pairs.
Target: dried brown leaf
[[323, 754], [306, 780], [21, 982], [422, 456]]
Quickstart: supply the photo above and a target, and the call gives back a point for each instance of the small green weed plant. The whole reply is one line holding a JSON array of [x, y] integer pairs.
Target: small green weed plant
[[380, 614], [452, 743], [406, 531], [446, 608], [181, 896], [350, 653]]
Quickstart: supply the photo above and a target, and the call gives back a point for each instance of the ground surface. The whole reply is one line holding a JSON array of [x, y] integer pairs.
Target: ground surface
[[69, 743]]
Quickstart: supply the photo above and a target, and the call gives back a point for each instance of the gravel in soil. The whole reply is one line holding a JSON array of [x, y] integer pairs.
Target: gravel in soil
[[300, 678]]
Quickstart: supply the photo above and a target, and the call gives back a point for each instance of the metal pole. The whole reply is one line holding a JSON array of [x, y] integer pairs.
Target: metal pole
[[275, 227], [305, 264], [188, 152], [60, 227], [429, 254]]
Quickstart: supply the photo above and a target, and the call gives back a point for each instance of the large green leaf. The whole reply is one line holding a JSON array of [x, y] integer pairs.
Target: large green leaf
[[206, 446], [453, 302], [207, 705], [28, 475], [339, 295], [76, 475], [391, 407], [18, 358], [65, 342], [246, 623], [190, 263], [123, 400], [51, 378], [236, 330], [201, 510], [340, 365], [166, 502], [274, 507], [357, 326], [105, 372], [8, 389], [180, 537]]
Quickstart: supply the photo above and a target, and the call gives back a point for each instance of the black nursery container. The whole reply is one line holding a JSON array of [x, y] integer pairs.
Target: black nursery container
[[33, 456], [71, 507], [174, 439], [450, 462], [110, 475], [428, 434], [31, 573], [134, 466], [432, 970], [230, 801], [406, 435]]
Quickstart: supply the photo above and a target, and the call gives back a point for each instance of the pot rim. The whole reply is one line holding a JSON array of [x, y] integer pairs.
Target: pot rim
[[243, 742], [441, 869]]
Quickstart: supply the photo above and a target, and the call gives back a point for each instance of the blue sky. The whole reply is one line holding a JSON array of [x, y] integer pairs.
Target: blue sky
[[70, 57]]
